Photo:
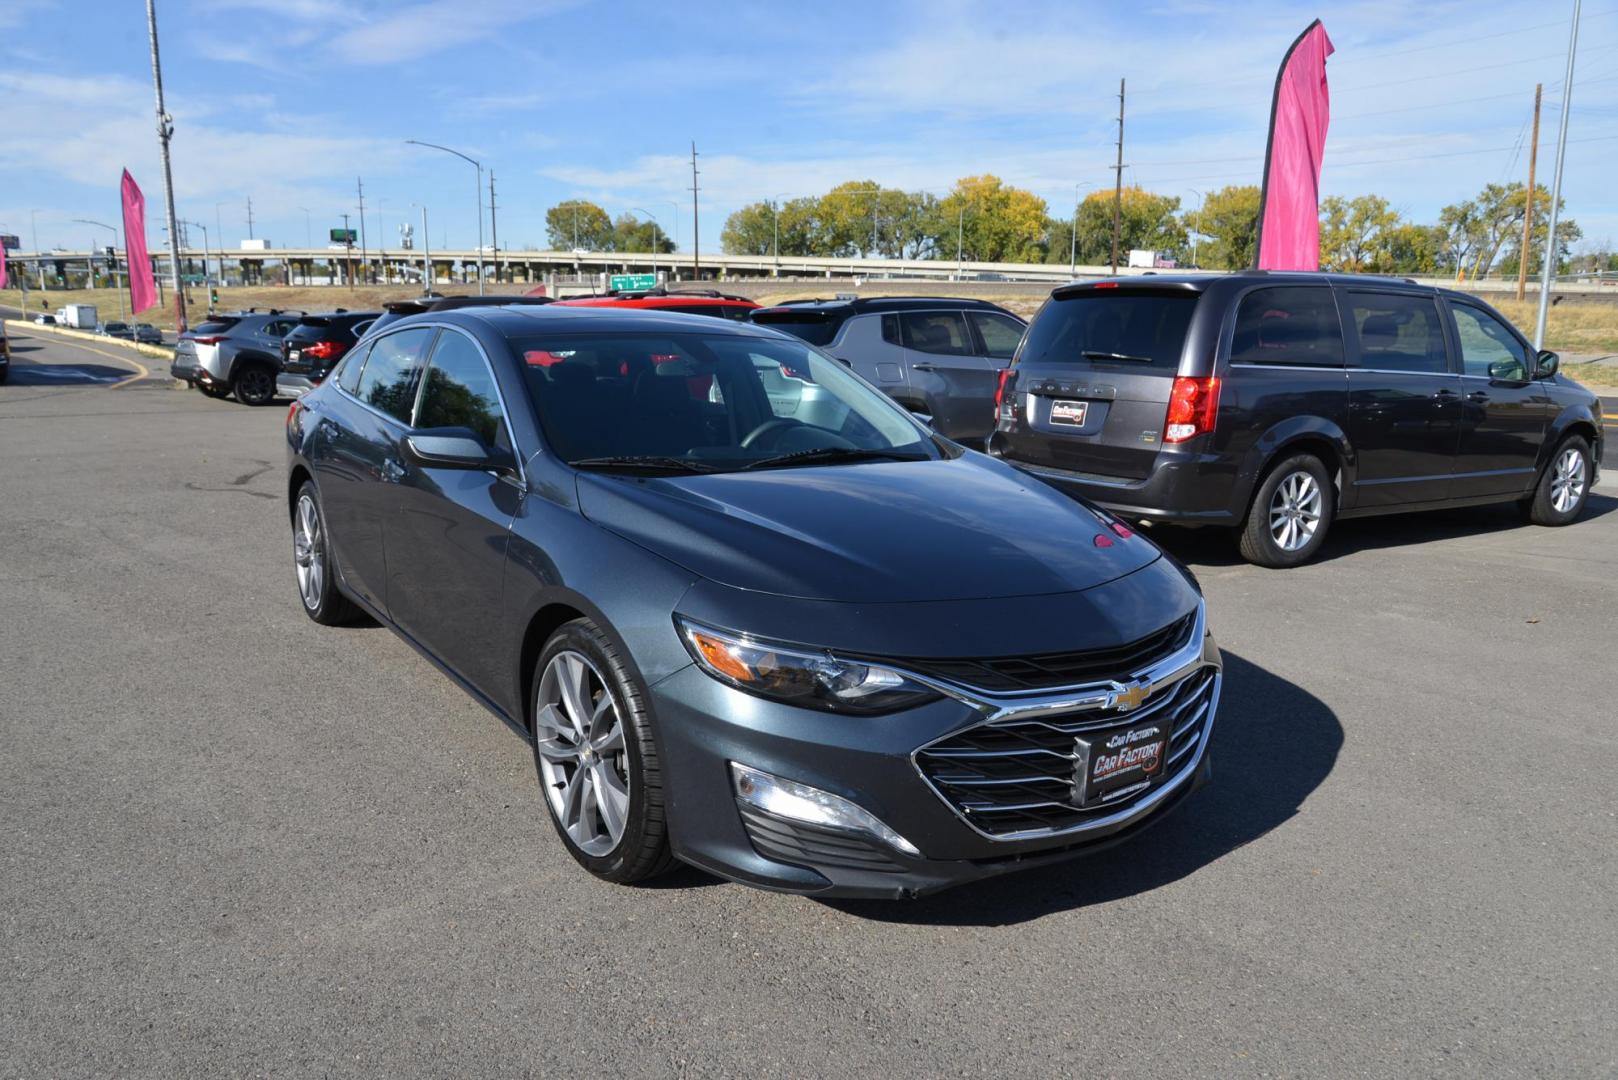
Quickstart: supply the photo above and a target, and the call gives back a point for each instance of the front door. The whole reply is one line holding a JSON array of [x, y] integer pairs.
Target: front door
[[1504, 412], [946, 373], [1404, 399], [447, 533]]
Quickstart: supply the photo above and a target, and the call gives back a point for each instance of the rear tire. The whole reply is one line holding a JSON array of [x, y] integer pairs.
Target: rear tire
[[1290, 514], [1564, 486], [597, 758], [311, 560], [255, 385]]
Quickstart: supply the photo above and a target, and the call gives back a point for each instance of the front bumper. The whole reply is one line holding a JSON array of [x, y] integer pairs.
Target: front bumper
[[872, 761]]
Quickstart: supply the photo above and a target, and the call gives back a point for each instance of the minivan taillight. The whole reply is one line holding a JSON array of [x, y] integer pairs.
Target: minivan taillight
[[1004, 411], [1193, 404]]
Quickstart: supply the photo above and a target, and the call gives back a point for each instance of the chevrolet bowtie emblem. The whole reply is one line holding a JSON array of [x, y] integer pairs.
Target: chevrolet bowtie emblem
[[1130, 697]]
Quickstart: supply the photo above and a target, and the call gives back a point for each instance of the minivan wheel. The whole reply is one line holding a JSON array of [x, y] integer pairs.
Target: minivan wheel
[[597, 758], [1563, 487], [311, 559], [1290, 514], [255, 385]]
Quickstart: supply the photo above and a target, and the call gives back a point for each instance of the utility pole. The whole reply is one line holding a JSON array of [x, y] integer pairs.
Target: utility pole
[[1528, 208], [1556, 187], [250, 217], [165, 131], [494, 230], [1118, 181], [426, 256], [348, 243], [365, 256], [696, 232]]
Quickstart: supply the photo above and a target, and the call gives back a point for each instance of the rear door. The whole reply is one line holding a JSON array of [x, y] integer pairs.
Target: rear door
[[1503, 413], [1094, 377], [945, 370], [1403, 398]]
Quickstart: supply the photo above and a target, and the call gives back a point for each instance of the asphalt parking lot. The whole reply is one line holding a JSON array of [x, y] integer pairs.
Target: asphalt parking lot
[[236, 843]]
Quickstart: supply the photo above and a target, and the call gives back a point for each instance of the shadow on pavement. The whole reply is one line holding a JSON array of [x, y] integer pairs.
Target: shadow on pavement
[[1217, 547], [66, 374], [1273, 745]]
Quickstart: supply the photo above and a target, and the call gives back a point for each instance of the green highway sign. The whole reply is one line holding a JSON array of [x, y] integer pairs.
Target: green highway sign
[[632, 282], [345, 236]]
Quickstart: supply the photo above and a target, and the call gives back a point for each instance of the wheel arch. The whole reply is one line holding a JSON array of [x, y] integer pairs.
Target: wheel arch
[[1318, 435], [296, 478]]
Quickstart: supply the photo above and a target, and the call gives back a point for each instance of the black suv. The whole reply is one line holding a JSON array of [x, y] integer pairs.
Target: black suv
[[1275, 402], [313, 347], [939, 357]]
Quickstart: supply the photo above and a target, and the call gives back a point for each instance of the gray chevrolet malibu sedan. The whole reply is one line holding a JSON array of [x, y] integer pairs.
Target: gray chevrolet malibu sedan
[[750, 614]]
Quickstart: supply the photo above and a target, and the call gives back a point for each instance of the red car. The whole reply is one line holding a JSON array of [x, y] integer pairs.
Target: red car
[[694, 302]]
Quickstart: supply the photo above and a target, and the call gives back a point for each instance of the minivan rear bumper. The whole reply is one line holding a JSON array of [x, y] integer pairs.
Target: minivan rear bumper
[[1188, 489]]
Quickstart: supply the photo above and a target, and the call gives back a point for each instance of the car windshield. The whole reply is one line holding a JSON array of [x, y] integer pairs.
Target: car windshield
[[694, 402]]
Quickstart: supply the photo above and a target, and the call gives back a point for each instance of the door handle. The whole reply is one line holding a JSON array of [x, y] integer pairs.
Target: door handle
[[923, 367], [1478, 396], [1446, 394]]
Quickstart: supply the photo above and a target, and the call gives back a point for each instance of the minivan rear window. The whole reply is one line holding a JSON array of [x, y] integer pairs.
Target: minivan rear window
[[815, 327], [1139, 331]]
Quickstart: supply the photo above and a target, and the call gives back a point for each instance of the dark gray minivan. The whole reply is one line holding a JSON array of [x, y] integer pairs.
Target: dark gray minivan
[[1275, 402]]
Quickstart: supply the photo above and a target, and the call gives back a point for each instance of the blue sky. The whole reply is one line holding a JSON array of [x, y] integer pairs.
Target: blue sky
[[287, 101]]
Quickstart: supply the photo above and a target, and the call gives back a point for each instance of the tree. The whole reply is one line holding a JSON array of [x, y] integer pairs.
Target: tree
[[1229, 220], [1146, 222], [1413, 249], [847, 219], [752, 229], [911, 226], [996, 223], [629, 233], [1354, 233], [578, 223]]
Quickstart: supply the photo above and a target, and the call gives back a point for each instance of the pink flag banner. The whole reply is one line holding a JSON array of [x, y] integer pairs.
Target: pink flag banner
[[142, 286], [1289, 206]]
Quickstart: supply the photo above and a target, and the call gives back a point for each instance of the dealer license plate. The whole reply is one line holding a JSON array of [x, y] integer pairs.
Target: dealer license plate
[[1069, 412], [1113, 763]]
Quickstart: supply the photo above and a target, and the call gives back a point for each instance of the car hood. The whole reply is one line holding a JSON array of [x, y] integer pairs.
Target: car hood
[[877, 532]]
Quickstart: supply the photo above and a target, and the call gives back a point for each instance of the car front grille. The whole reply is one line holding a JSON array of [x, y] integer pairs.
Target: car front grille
[[1016, 776], [1022, 673]]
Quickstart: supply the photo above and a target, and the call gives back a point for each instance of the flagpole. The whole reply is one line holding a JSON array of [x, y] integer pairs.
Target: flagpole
[[1556, 188], [165, 130]]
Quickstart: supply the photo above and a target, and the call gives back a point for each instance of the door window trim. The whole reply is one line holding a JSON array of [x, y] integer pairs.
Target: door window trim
[[959, 313], [367, 406], [1227, 328], [1452, 329], [494, 379], [1350, 327]]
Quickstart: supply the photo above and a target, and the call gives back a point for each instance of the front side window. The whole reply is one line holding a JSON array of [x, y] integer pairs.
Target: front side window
[[1398, 332], [1000, 333], [460, 391], [939, 332], [1488, 349], [706, 402], [388, 380], [1296, 326]]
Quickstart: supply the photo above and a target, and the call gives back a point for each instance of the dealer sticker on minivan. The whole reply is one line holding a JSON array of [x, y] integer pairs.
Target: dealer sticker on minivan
[[1069, 412]]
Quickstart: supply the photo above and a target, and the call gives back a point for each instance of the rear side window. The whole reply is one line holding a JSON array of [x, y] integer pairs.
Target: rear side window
[[1288, 326], [1110, 328], [1398, 333], [392, 368], [216, 325], [460, 391], [815, 327], [348, 376], [1000, 333], [940, 332]]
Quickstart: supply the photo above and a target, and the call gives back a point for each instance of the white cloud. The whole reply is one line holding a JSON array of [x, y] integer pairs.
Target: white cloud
[[417, 30]]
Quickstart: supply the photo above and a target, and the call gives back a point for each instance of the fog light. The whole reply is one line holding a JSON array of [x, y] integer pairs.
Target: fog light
[[800, 802]]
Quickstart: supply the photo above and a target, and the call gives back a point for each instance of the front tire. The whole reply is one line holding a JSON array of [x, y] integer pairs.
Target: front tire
[[255, 385], [1564, 487], [311, 560], [597, 758], [1290, 514]]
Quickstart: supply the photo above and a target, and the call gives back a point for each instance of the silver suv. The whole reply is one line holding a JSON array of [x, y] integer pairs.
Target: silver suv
[[238, 353], [939, 357]]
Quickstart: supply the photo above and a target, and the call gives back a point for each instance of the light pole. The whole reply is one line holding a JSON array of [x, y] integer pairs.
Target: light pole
[[1202, 201], [1546, 272], [479, 167], [103, 225], [308, 233], [656, 225], [426, 255], [1073, 233], [204, 229], [960, 240], [775, 208]]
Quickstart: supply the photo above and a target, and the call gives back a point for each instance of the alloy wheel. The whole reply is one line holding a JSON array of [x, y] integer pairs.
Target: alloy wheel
[[1295, 511], [256, 385], [583, 759], [1567, 481], [308, 554]]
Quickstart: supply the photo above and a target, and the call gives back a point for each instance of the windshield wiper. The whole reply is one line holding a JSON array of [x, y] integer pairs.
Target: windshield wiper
[[825, 454], [1096, 354], [660, 462]]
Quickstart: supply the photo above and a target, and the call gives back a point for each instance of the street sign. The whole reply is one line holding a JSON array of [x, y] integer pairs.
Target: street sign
[[632, 282], [9, 242], [345, 236]]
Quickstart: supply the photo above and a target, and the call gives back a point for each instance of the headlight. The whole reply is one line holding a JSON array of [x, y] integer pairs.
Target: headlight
[[800, 676]]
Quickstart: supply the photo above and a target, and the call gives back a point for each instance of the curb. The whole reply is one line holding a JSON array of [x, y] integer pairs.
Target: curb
[[157, 352]]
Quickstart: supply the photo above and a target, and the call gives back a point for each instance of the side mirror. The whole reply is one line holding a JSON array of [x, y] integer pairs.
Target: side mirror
[[455, 448], [1547, 364]]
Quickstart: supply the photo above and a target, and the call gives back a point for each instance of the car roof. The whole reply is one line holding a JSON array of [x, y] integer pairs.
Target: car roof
[[523, 320], [882, 303], [1200, 282], [659, 300]]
